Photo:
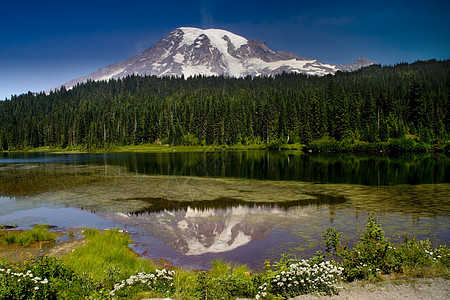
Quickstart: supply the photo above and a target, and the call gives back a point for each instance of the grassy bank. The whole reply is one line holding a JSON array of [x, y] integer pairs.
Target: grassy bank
[[160, 148], [106, 268], [326, 144], [399, 145]]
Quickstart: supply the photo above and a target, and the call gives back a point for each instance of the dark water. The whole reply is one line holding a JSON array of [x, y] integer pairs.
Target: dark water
[[243, 206], [266, 165]]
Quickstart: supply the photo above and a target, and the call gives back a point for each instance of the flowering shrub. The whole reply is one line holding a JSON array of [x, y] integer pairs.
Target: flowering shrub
[[161, 280], [420, 258], [292, 278], [46, 278], [18, 285]]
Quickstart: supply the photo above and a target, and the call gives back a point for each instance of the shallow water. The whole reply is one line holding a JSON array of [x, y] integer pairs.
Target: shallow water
[[241, 206]]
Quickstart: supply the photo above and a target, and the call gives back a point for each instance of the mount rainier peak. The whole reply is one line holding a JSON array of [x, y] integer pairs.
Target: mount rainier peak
[[191, 51]]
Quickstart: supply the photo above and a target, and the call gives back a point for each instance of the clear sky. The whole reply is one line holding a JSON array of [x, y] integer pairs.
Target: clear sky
[[46, 43]]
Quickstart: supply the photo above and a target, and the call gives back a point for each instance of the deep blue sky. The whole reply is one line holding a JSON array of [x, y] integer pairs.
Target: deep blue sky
[[46, 43]]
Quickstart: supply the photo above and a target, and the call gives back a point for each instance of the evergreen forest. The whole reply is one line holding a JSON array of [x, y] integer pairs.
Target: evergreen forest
[[372, 105]]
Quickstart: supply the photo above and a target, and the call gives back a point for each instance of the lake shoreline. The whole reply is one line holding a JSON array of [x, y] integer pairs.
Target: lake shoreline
[[324, 145], [388, 287]]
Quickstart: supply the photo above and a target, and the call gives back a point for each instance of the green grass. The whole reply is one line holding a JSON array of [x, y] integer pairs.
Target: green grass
[[26, 238], [106, 251], [3, 262], [160, 148], [325, 144], [186, 285]]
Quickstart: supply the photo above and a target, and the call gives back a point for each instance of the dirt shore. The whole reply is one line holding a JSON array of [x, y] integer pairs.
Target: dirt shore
[[15, 253], [391, 289]]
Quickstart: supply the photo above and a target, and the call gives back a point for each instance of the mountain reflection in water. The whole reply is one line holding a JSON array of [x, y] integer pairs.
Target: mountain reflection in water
[[213, 226]]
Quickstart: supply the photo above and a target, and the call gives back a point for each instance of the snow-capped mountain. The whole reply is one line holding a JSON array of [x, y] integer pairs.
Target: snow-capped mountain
[[356, 65], [191, 51]]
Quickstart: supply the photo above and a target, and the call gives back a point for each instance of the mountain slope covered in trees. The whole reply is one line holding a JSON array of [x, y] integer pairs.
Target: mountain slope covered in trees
[[372, 104]]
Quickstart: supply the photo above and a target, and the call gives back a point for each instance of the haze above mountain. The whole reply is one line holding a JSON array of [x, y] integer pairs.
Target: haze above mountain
[[188, 51]]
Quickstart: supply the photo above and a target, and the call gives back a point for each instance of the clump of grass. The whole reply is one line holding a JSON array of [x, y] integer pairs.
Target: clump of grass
[[225, 281], [186, 285], [104, 251], [26, 238]]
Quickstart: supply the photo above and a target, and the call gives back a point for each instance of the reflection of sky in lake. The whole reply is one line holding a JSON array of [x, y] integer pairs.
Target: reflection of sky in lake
[[25, 214], [41, 158]]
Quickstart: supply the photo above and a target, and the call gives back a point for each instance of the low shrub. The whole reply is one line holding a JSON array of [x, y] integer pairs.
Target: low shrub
[[420, 259], [328, 144], [400, 145], [407, 145], [369, 258], [373, 255], [275, 145], [46, 278]]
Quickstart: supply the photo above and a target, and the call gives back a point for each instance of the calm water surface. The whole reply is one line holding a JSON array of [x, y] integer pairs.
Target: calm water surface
[[243, 206]]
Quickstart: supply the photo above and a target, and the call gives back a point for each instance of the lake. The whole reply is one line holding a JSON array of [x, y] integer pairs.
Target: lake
[[241, 206]]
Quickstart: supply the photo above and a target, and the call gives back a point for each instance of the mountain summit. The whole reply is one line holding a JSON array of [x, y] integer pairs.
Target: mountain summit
[[191, 51]]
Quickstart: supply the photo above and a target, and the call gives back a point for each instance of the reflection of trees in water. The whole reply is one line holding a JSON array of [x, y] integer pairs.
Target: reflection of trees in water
[[278, 165], [108, 187]]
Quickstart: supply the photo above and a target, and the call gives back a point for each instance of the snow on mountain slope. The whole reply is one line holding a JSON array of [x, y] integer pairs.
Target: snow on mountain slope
[[188, 51]]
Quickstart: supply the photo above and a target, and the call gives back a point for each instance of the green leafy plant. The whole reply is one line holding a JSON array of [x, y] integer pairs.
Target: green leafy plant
[[369, 258], [420, 258]]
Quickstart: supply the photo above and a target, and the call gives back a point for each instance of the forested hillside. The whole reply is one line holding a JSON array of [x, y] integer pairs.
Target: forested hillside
[[372, 104]]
